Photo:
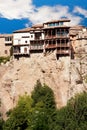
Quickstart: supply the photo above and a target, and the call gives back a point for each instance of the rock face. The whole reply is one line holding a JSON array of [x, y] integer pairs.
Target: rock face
[[20, 76]]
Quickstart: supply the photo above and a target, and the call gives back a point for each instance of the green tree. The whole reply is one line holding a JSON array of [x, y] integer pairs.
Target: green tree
[[1, 119], [40, 113], [18, 118], [74, 115], [44, 94], [44, 107]]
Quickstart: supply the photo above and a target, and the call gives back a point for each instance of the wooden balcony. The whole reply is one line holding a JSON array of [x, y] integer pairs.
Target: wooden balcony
[[20, 53], [8, 42], [26, 44], [56, 46], [17, 52], [38, 38], [63, 45], [57, 36], [50, 46], [36, 47], [63, 51]]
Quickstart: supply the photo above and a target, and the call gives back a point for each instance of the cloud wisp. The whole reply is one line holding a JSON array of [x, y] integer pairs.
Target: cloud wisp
[[18, 9], [81, 11]]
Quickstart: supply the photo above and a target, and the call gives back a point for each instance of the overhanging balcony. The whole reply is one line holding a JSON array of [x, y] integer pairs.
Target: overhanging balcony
[[18, 52], [63, 51], [8, 42], [36, 47], [56, 46], [56, 36]]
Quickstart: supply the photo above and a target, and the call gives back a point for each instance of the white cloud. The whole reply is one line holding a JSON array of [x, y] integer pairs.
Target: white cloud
[[81, 11], [18, 9], [46, 13], [15, 9]]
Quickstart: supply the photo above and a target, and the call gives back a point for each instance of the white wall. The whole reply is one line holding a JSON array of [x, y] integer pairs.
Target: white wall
[[21, 38], [22, 49], [66, 23]]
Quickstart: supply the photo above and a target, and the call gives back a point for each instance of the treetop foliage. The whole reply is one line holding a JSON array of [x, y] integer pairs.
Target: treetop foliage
[[39, 112]]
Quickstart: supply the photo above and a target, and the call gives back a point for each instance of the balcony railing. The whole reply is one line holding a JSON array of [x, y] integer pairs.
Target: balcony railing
[[56, 45], [38, 38], [62, 51], [63, 45], [50, 46], [56, 36], [36, 47], [18, 52], [8, 42]]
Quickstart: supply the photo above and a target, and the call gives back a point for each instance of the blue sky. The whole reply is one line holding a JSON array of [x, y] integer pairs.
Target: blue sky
[[18, 14]]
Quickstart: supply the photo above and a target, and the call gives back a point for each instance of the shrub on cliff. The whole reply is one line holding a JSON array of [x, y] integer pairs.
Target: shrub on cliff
[[33, 113], [74, 115], [39, 112]]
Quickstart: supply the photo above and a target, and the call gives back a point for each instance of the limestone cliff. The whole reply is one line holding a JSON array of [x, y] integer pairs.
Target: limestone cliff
[[64, 76]]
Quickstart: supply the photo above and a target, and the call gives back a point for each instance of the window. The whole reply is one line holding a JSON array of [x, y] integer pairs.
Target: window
[[6, 52], [8, 38], [31, 36], [60, 23], [25, 41], [53, 24], [19, 41], [56, 24], [25, 50]]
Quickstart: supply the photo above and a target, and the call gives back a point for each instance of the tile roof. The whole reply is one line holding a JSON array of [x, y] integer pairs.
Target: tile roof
[[37, 26], [76, 27], [1, 35], [5, 35], [23, 30]]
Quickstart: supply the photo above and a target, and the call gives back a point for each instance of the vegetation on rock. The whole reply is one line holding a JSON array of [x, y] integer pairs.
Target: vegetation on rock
[[39, 112], [4, 59], [1, 119]]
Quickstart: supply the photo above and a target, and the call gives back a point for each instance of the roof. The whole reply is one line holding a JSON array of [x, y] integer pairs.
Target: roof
[[61, 20], [22, 30], [77, 27], [1, 35], [37, 26], [29, 29], [8, 35], [74, 30], [5, 35]]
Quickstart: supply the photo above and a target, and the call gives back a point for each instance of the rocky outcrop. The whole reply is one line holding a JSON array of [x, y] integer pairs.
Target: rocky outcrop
[[20, 76]]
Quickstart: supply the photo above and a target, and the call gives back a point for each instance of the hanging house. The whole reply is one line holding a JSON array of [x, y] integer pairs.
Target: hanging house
[[43, 38], [56, 37], [21, 42], [36, 45]]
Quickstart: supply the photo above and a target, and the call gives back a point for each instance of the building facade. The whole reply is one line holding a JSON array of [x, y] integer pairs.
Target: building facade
[[78, 38], [53, 36], [56, 37], [46, 37], [6, 41], [21, 42], [36, 45]]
